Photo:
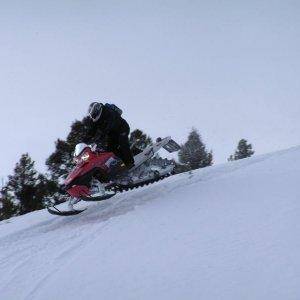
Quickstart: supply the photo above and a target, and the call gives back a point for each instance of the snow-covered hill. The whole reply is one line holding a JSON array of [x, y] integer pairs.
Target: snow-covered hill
[[226, 232]]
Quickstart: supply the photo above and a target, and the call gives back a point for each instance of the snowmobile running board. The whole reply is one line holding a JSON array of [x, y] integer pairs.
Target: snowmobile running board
[[166, 143], [58, 212]]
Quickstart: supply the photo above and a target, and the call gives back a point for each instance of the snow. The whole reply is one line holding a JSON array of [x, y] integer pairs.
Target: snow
[[224, 232]]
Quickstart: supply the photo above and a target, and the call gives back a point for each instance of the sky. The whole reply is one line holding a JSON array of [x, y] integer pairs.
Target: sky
[[230, 69]]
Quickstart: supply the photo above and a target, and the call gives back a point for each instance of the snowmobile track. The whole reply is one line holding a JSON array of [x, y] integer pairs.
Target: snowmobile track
[[122, 188]]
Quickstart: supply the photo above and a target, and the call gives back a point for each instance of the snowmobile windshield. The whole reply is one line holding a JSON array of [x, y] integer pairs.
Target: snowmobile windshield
[[80, 148]]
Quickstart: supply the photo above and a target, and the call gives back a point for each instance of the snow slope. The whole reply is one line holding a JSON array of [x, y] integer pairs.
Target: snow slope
[[226, 232]]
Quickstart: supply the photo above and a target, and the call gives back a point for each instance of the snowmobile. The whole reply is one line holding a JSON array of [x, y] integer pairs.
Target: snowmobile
[[98, 174]]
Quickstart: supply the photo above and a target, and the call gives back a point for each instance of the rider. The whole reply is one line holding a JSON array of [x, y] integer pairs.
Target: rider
[[107, 119]]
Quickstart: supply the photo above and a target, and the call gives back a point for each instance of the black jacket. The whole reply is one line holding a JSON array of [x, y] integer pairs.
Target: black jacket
[[110, 123]]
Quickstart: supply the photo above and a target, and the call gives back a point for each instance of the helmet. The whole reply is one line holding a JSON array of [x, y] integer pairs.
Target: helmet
[[95, 111]]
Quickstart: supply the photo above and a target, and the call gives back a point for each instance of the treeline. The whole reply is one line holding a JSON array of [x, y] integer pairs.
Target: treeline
[[28, 190]]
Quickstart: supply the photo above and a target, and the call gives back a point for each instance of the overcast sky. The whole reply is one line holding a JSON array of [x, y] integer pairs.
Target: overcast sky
[[229, 68]]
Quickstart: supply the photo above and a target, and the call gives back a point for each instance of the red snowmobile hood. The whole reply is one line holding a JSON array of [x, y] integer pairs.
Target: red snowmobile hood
[[87, 161]]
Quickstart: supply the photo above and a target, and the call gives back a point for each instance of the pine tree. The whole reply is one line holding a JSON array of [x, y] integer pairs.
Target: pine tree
[[193, 153], [180, 168], [47, 189], [81, 133], [244, 150], [22, 185], [7, 207], [140, 139], [60, 162]]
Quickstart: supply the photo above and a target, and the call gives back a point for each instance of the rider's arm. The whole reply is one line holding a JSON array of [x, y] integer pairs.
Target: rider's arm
[[110, 121]]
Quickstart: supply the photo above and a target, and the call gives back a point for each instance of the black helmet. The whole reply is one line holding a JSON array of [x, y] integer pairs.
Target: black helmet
[[95, 111]]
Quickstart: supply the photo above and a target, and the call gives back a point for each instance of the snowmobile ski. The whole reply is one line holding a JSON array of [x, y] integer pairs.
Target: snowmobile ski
[[58, 212], [100, 198]]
